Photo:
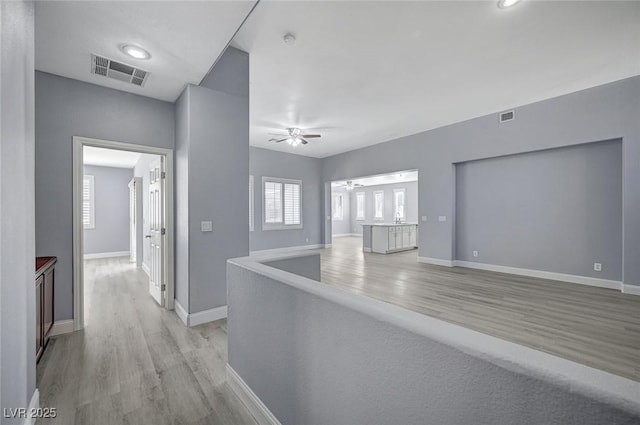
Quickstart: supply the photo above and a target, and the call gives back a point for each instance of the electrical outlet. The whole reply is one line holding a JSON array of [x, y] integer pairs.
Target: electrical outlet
[[206, 226], [307, 239], [442, 218], [597, 267], [424, 218], [475, 253]]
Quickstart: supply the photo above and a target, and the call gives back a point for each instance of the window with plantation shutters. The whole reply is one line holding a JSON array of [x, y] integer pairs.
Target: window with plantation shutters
[[282, 205], [360, 206], [88, 202], [378, 205]]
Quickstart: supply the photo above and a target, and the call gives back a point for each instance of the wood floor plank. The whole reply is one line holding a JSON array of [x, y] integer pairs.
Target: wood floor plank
[[594, 326], [136, 363]]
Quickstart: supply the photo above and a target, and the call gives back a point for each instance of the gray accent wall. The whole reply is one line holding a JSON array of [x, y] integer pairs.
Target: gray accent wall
[[411, 204], [556, 210], [268, 163], [17, 222], [601, 113], [65, 108], [111, 200], [212, 160]]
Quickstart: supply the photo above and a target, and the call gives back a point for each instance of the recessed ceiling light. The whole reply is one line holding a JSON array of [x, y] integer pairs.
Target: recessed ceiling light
[[135, 51], [289, 39], [503, 4]]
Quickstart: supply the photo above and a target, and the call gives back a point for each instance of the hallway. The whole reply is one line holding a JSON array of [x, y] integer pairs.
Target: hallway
[[136, 363]]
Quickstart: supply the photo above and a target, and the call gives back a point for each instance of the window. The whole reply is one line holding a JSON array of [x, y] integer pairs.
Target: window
[[251, 203], [398, 203], [378, 205], [359, 205], [338, 212], [282, 204], [88, 202]]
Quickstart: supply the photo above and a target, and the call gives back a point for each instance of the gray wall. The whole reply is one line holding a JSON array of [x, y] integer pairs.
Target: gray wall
[[17, 223], [321, 362], [111, 232], [558, 210], [65, 108], [411, 204], [601, 113], [212, 158], [268, 163], [341, 227]]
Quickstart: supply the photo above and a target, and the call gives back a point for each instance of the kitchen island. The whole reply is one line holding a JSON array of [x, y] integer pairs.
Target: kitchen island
[[385, 238]]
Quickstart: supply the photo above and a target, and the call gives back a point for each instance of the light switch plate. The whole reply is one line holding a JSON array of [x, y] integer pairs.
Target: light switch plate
[[442, 218], [424, 218], [597, 267], [475, 253], [206, 226]]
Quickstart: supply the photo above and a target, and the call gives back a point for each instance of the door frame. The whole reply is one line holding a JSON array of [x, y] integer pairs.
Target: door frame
[[78, 229]]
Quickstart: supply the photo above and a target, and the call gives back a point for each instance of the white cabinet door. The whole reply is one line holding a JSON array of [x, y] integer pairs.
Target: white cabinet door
[[413, 233], [392, 238]]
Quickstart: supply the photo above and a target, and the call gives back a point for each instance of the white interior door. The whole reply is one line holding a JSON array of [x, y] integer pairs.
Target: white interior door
[[133, 246], [156, 230]]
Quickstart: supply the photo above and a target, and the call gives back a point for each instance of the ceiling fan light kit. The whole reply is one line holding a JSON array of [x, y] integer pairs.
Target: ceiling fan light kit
[[295, 137]]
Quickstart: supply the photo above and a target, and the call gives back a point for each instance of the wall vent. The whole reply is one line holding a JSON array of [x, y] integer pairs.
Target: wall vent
[[507, 116], [118, 70]]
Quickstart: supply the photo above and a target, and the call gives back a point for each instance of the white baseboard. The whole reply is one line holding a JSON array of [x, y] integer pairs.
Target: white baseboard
[[252, 402], [205, 316], [345, 235], [107, 255], [34, 405], [145, 268], [61, 327], [327, 245], [436, 261], [631, 289], [286, 249], [366, 249], [181, 312], [583, 280]]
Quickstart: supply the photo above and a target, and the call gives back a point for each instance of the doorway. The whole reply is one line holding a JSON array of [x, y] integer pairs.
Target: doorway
[[153, 245]]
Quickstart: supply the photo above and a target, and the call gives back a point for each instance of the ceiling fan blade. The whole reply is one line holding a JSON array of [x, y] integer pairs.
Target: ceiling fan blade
[[304, 142], [278, 134], [311, 136], [278, 141]]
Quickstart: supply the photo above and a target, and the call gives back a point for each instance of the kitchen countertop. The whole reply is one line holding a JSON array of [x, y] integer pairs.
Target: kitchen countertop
[[389, 224]]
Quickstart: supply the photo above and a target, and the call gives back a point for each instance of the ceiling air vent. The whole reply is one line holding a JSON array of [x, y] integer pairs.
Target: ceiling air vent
[[507, 116], [118, 71]]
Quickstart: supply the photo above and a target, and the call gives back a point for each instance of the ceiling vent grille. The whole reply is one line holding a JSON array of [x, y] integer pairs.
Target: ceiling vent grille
[[507, 116], [118, 71]]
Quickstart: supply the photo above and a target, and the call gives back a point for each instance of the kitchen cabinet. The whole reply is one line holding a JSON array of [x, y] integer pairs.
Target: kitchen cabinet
[[387, 238]]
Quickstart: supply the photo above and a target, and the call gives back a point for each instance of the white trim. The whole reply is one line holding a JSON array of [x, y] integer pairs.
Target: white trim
[[631, 289], [181, 312], [280, 226], [327, 245], [205, 316], [436, 261], [583, 280], [146, 269], [34, 404], [78, 261], [252, 402], [344, 235], [61, 327], [107, 255], [365, 249], [288, 249]]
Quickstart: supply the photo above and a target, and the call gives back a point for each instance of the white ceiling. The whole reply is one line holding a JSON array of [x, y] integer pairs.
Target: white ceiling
[[109, 157], [183, 37], [367, 72], [399, 177]]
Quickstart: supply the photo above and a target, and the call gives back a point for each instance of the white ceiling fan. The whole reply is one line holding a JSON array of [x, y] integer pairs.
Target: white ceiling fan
[[294, 137], [349, 185]]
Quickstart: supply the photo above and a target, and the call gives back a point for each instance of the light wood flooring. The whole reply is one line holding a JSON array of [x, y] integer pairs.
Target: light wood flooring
[[593, 326], [136, 363]]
